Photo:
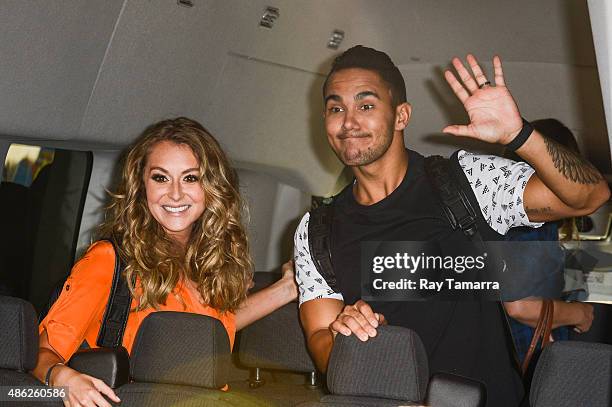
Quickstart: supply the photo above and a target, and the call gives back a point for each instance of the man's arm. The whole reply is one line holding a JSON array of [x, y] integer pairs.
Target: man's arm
[[564, 184], [323, 319], [316, 317], [576, 314]]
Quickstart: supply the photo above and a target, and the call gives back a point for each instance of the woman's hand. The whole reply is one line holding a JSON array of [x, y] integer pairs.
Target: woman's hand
[[83, 390]]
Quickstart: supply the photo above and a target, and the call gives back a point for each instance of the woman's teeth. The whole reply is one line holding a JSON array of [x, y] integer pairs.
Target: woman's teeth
[[176, 209]]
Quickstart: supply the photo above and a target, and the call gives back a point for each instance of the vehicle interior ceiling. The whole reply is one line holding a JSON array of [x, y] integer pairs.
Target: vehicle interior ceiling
[[90, 76]]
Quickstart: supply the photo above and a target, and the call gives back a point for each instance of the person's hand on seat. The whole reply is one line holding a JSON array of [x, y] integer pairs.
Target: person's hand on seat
[[358, 319], [586, 316], [83, 390]]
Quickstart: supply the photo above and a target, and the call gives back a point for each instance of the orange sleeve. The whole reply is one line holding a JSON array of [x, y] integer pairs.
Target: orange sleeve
[[82, 301]]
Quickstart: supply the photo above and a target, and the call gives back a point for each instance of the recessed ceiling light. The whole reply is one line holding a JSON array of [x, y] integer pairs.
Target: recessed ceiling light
[[269, 16], [336, 39]]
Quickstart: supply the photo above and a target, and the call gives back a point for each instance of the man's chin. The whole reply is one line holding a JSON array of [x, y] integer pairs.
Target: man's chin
[[356, 159]]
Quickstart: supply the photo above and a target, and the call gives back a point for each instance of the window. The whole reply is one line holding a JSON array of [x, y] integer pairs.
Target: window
[[41, 196]]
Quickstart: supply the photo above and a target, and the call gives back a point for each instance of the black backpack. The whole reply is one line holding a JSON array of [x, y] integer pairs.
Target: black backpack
[[117, 307], [448, 186]]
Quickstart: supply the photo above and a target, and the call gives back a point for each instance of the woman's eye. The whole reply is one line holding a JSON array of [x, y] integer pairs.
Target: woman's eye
[[335, 109], [191, 178], [367, 107], [159, 178]]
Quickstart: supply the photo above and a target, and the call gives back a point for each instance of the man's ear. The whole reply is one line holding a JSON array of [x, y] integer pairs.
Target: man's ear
[[402, 116]]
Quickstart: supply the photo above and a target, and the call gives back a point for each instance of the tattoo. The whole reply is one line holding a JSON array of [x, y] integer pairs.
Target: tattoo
[[571, 165], [535, 211]]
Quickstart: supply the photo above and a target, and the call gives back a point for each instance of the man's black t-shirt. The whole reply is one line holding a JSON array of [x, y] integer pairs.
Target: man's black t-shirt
[[462, 337]]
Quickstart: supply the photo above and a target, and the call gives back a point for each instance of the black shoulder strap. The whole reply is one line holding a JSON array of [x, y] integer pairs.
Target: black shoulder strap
[[455, 202], [461, 215], [117, 308], [319, 240]]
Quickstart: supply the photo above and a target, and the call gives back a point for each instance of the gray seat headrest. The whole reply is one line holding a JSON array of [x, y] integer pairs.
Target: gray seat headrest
[[571, 373], [18, 335], [181, 348], [261, 346], [392, 365]]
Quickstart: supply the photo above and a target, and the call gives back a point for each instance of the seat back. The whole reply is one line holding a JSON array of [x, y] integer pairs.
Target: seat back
[[570, 374], [19, 349], [392, 365], [181, 348], [449, 390], [19, 334], [391, 369], [263, 346], [260, 345], [178, 357]]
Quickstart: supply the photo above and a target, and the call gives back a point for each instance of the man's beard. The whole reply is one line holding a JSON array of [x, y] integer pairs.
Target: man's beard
[[359, 157]]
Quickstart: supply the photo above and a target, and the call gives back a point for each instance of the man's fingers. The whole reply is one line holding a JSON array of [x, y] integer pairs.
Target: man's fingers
[[381, 319], [365, 310], [499, 73], [457, 88], [357, 322], [465, 76], [458, 130], [358, 329], [478, 74], [339, 327]]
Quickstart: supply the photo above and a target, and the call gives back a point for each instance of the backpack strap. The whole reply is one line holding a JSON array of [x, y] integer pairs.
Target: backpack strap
[[117, 308], [455, 202], [319, 240], [444, 178]]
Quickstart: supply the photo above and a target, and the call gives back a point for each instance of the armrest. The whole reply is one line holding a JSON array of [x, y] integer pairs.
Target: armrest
[[111, 365]]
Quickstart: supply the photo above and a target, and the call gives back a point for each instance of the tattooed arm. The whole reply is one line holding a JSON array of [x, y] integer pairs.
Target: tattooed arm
[[565, 184]]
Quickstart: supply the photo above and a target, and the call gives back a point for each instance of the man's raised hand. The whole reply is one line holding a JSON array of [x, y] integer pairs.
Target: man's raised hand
[[494, 115], [357, 319]]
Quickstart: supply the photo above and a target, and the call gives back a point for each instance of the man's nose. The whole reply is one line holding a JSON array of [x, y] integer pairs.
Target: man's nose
[[350, 121]]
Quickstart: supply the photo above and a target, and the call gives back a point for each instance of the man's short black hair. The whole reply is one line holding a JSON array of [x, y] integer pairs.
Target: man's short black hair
[[373, 60]]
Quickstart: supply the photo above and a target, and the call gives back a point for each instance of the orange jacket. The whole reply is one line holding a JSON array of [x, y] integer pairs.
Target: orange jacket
[[77, 314]]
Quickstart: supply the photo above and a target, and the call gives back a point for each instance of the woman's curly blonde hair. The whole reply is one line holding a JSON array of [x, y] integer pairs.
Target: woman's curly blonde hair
[[216, 256]]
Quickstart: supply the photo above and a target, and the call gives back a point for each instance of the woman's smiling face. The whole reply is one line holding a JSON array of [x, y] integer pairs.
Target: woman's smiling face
[[174, 190]]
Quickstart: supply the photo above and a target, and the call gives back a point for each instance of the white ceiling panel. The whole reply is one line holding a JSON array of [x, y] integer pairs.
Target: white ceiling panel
[[163, 61], [50, 55], [419, 31]]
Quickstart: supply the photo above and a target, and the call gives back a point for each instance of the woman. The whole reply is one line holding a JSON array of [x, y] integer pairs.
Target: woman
[[176, 221]]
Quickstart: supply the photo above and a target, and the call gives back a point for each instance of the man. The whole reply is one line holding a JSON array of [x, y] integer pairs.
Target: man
[[391, 200]]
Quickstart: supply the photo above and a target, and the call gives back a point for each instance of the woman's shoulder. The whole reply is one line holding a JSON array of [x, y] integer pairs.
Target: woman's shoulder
[[101, 248], [97, 263]]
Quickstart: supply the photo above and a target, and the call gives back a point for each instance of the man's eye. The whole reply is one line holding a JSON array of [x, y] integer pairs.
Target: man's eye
[[191, 178], [159, 178], [367, 107], [335, 109]]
